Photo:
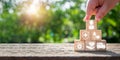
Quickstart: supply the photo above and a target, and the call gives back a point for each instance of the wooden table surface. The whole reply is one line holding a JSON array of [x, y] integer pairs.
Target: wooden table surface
[[54, 51]]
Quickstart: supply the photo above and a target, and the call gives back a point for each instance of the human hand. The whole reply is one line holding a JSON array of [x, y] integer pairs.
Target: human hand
[[99, 8]]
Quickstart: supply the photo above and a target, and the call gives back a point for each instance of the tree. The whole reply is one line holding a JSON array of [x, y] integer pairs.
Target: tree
[[44, 21]]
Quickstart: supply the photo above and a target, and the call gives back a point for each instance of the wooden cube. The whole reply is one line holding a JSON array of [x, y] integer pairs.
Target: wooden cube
[[84, 35], [90, 45], [79, 45], [91, 25], [96, 35], [90, 39], [101, 45]]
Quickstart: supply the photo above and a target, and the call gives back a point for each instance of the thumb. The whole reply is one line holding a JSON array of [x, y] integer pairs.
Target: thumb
[[90, 10]]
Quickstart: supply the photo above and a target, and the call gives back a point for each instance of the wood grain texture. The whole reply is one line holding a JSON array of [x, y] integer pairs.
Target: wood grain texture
[[55, 52]]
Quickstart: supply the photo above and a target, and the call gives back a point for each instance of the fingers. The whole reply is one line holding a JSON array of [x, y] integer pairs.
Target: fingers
[[101, 13], [87, 17], [90, 10], [105, 8]]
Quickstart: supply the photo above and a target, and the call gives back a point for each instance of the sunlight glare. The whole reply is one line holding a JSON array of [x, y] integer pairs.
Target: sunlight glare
[[33, 9]]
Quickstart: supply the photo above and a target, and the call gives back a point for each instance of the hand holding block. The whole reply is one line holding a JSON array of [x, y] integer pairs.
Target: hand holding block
[[84, 35], [101, 45], [96, 35], [91, 25], [79, 45], [90, 45]]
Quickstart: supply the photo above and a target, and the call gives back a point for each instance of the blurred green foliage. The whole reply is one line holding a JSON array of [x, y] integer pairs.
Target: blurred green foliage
[[60, 22]]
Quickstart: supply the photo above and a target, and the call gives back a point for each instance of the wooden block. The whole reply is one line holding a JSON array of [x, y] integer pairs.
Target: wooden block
[[96, 35], [91, 25], [90, 39], [90, 45], [101, 45], [79, 45], [84, 35]]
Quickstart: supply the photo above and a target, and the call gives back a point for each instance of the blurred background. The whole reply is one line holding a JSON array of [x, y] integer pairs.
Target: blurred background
[[51, 21]]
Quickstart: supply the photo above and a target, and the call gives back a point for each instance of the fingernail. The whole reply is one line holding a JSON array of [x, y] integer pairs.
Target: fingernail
[[97, 19], [86, 18]]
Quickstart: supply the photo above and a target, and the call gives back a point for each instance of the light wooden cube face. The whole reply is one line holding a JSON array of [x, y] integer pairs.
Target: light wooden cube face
[[101, 45], [91, 25], [90, 45], [79, 45], [84, 35], [96, 35]]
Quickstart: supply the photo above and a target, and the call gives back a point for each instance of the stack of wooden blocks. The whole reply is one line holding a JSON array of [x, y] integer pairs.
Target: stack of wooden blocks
[[90, 39]]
